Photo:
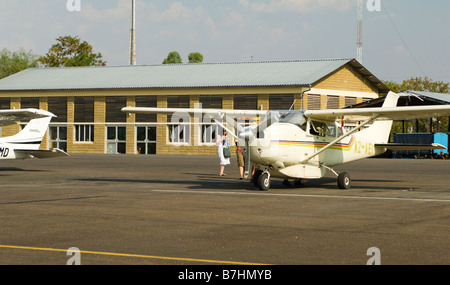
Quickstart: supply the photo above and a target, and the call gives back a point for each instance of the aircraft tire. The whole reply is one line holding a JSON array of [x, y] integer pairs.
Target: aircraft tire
[[264, 181], [344, 180]]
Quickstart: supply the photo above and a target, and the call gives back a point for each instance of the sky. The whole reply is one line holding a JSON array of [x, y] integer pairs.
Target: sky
[[402, 39]]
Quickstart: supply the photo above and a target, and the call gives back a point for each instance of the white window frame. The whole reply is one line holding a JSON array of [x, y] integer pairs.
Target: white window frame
[[206, 132], [84, 133], [58, 142], [174, 132], [146, 141]]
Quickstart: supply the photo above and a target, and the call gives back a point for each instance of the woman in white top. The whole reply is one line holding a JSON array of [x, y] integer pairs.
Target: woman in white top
[[223, 142]]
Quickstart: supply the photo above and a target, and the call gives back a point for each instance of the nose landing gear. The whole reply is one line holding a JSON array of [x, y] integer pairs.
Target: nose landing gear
[[261, 179]]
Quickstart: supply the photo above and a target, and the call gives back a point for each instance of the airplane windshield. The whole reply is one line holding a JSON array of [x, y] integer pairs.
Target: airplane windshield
[[294, 117]]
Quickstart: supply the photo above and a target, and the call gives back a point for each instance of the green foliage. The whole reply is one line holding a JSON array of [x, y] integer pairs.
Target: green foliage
[[12, 62], [71, 51], [173, 58], [195, 57], [419, 84]]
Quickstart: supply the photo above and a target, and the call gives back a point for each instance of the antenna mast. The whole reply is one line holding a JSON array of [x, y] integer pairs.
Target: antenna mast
[[359, 32], [133, 34]]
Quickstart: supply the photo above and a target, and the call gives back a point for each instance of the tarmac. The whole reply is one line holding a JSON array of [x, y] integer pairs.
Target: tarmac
[[177, 210]]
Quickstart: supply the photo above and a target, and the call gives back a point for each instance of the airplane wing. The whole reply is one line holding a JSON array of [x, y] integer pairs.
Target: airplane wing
[[10, 117], [399, 146], [218, 112], [391, 113]]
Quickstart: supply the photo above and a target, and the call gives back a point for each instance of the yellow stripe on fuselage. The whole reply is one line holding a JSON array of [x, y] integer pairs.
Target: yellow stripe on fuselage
[[337, 146]]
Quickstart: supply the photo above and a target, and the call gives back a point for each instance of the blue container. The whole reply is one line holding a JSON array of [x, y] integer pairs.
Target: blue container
[[442, 139], [421, 138]]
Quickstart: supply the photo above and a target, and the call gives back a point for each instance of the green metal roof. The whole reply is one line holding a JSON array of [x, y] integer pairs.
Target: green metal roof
[[204, 75]]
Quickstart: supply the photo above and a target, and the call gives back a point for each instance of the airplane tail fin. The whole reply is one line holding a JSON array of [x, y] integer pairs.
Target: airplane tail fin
[[380, 130], [31, 136]]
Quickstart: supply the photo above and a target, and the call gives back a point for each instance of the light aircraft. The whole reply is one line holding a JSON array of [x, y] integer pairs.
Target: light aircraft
[[302, 145], [25, 144]]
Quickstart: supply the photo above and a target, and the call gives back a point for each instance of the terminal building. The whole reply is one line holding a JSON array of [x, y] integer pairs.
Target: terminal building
[[88, 100]]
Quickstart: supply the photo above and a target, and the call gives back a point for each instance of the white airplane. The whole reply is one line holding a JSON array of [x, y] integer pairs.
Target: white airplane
[[25, 144], [304, 145]]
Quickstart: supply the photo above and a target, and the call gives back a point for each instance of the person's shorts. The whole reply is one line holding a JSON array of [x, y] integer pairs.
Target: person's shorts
[[240, 158]]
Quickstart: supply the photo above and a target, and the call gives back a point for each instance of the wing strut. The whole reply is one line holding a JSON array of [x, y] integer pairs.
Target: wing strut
[[223, 126], [355, 129]]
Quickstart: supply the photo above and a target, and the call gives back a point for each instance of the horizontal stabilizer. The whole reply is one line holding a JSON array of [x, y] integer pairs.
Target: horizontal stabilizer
[[9, 117], [399, 146], [55, 152]]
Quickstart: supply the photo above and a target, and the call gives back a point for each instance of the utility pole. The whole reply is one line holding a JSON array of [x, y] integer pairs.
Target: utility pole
[[133, 34], [359, 32]]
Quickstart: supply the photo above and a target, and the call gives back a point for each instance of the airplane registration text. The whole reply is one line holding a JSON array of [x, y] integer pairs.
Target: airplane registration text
[[364, 148], [4, 151]]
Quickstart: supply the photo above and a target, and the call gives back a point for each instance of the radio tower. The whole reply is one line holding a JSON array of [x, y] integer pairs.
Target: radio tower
[[359, 32], [133, 34]]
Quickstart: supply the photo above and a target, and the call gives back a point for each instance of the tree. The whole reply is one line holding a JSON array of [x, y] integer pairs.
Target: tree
[[13, 62], [195, 57], [173, 58], [71, 51], [419, 84]]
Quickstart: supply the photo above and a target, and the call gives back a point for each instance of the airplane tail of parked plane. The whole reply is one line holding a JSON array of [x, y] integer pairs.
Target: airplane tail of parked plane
[[26, 143], [31, 136]]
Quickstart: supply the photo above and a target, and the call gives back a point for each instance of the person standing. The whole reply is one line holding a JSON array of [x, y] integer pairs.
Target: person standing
[[240, 159], [222, 142]]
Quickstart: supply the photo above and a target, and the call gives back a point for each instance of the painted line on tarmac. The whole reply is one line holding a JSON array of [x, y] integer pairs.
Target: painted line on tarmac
[[132, 255], [308, 196]]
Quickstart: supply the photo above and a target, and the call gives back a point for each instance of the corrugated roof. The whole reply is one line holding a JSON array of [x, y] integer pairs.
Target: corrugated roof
[[244, 74], [442, 97]]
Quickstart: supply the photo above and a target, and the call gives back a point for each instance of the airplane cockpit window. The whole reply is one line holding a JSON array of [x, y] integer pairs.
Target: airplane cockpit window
[[294, 117], [322, 129]]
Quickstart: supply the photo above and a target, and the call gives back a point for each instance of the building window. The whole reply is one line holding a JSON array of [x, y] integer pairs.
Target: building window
[[313, 102], [175, 101], [114, 105], [245, 102], [146, 139], [58, 137], [84, 133], [84, 109], [179, 133], [211, 101], [58, 106], [146, 101], [332, 102], [209, 132], [350, 101], [280, 101], [116, 139], [29, 102], [5, 103]]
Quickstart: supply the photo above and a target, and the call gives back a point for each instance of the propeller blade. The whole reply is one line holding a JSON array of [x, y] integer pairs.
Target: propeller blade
[[248, 165]]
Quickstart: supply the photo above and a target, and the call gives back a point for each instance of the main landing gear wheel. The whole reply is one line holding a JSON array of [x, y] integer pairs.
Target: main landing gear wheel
[[344, 180], [264, 181]]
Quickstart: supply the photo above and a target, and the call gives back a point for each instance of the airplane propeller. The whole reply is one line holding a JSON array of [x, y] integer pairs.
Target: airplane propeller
[[248, 134]]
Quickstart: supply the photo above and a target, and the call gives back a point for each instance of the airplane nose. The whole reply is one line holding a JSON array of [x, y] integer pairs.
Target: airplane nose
[[247, 135]]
